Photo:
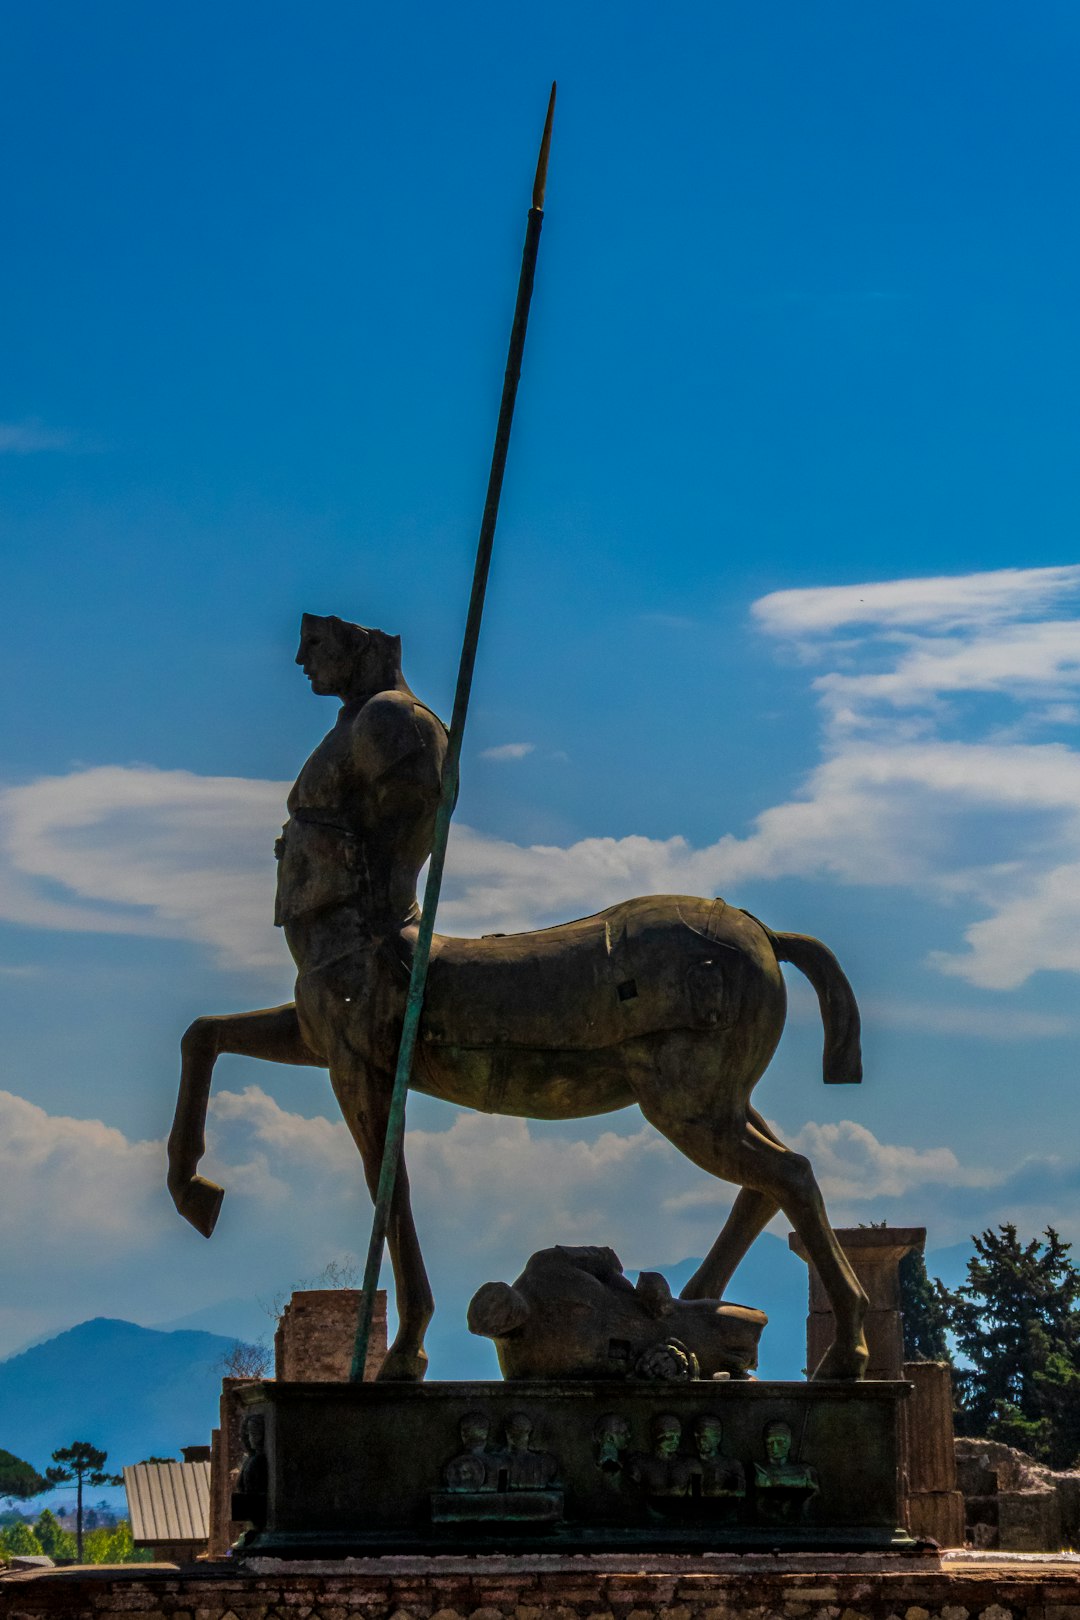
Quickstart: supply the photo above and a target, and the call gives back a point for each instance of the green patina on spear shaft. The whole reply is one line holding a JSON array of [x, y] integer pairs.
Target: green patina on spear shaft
[[395, 1128]]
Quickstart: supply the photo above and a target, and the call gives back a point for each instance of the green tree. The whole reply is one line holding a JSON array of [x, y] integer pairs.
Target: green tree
[[924, 1307], [1017, 1322], [19, 1538], [84, 1464], [18, 1478], [55, 1540], [115, 1546]]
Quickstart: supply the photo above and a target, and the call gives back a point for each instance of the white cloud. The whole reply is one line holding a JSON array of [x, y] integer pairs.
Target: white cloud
[[947, 602], [24, 438], [92, 1207], [144, 851], [508, 751]]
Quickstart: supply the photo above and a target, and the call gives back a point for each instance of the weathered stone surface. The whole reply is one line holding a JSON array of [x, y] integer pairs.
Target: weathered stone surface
[[1013, 1502], [315, 1335], [752, 1587]]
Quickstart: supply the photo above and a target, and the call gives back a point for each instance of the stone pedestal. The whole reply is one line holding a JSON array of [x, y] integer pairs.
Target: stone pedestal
[[875, 1253], [313, 1344], [578, 1467]]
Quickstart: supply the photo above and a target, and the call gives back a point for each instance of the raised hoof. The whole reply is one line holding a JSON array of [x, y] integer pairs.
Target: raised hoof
[[199, 1201], [846, 1363], [403, 1366]]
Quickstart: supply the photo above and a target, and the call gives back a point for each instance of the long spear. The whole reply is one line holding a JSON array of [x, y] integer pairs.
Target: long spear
[[395, 1126]]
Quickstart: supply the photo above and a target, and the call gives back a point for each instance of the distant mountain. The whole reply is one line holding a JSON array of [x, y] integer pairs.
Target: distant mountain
[[236, 1318], [133, 1391]]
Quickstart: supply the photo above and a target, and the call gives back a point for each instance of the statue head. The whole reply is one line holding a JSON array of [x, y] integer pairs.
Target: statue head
[[777, 1439], [346, 660], [253, 1433], [708, 1433], [611, 1434], [519, 1431], [666, 1434], [474, 1430]]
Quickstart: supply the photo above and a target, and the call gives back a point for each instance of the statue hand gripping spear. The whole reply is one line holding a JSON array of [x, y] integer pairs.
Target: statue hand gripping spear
[[395, 1129]]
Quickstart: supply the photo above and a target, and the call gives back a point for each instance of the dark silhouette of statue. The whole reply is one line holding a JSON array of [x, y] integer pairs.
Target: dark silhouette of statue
[[672, 1002]]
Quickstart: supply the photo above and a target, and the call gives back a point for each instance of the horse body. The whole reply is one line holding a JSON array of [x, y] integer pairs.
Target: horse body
[[671, 1001]]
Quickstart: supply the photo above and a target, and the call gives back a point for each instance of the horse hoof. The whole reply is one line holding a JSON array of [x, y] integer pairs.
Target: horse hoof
[[846, 1363], [403, 1367], [199, 1201]]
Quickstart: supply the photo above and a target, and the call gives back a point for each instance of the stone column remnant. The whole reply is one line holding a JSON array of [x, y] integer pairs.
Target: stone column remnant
[[875, 1253], [933, 1505], [315, 1333]]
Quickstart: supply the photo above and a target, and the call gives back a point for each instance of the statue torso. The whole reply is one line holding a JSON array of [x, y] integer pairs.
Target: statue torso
[[362, 814]]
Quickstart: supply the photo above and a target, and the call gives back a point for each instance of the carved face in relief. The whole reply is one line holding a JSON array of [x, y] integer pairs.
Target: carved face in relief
[[666, 1433], [612, 1436], [518, 1431], [474, 1431], [777, 1442], [708, 1433]]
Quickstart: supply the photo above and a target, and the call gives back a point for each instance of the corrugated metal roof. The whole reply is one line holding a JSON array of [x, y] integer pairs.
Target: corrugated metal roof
[[168, 1501]]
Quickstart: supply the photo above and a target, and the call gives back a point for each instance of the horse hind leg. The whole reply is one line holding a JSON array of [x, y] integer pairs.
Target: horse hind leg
[[757, 1160], [273, 1033], [750, 1214]]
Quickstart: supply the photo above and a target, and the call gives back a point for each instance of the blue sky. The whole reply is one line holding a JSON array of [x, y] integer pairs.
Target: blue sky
[[805, 335]]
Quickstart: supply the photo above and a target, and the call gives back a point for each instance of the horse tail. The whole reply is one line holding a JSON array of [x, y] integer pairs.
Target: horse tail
[[842, 1058]]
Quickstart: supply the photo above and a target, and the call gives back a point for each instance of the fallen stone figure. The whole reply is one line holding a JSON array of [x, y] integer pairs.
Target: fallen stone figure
[[574, 1314]]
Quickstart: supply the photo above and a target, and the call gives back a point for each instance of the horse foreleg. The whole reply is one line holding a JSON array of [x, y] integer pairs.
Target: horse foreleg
[[750, 1214], [272, 1034]]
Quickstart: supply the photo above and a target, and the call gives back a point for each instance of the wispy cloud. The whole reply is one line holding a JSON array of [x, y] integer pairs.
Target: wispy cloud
[[947, 602], [508, 751], [26, 438]]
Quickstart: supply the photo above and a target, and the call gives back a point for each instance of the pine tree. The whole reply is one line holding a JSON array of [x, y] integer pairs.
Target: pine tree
[[924, 1308], [83, 1463], [1017, 1321]]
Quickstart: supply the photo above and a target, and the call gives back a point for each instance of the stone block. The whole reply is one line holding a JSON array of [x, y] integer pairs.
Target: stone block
[[937, 1516], [1028, 1521]]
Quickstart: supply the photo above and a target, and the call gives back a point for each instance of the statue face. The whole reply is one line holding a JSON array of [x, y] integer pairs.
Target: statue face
[[666, 1435], [518, 1431], [707, 1436], [325, 655], [777, 1442], [474, 1429]]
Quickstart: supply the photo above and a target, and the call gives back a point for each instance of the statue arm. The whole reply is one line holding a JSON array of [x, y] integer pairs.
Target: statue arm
[[400, 748]]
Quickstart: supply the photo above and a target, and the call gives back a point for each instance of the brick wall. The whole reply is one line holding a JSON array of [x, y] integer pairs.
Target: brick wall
[[751, 1587]]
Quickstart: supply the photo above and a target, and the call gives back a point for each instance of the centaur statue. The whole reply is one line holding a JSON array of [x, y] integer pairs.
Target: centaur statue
[[671, 1002]]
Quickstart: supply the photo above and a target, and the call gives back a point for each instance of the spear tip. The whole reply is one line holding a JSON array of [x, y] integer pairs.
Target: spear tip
[[540, 183]]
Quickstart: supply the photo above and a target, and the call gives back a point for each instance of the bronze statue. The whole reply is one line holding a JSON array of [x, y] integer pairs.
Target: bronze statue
[[670, 1001], [574, 1314]]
